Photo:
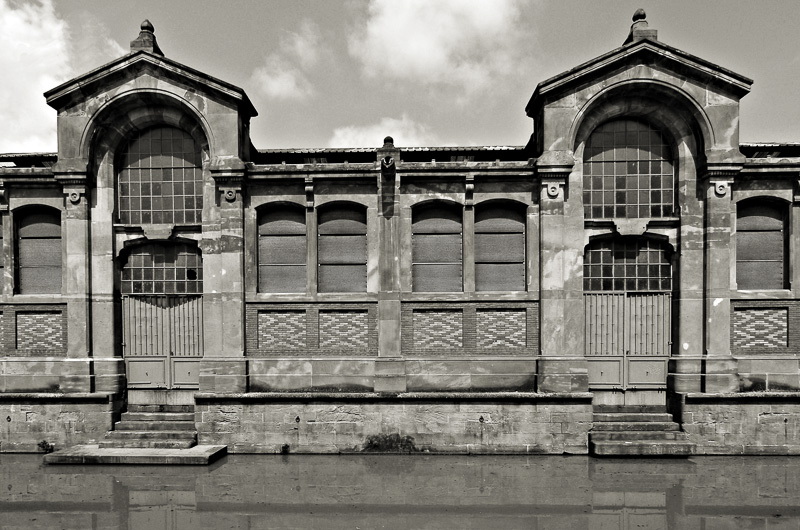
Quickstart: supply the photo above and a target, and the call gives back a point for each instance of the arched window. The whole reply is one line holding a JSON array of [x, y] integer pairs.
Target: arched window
[[761, 245], [282, 249], [499, 247], [342, 248], [628, 172], [436, 254], [627, 264], [38, 258], [163, 268], [160, 179]]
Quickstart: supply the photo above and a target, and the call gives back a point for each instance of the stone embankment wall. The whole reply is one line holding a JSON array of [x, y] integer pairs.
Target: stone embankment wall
[[31, 423], [440, 423]]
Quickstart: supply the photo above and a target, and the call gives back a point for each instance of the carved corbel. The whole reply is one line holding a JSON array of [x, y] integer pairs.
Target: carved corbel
[[229, 186], [554, 186], [3, 198], [469, 191], [74, 191], [309, 193], [795, 195]]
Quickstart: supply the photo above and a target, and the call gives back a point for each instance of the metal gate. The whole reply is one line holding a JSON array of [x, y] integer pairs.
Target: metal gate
[[628, 313], [162, 340]]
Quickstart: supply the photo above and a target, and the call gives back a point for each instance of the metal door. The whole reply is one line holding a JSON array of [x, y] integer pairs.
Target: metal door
[[628, 314], [163, 340]]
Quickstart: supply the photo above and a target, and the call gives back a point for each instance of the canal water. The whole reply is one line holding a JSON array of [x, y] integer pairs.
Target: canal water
[[405, 492]]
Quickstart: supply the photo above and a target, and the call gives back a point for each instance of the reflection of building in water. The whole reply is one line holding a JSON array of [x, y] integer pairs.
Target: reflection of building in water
[[482, 299], [380, 491]]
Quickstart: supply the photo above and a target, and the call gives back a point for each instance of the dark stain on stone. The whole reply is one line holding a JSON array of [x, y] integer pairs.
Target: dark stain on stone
[[390, 443]]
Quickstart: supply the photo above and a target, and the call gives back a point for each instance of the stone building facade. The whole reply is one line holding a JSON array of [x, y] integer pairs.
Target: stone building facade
[[481, 299]]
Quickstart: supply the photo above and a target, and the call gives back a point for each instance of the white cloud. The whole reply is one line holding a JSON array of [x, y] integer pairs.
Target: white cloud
[[405, 132], [40, 51], [283, 74], [457, 43]]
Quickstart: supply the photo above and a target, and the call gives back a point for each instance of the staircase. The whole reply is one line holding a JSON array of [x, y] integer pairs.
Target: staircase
[[154, 426], [635, 430]]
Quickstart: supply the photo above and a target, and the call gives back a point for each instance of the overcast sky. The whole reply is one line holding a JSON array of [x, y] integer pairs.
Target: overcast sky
[[329, 73]]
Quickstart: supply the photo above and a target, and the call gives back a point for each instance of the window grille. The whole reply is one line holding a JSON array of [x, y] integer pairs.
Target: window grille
[[342, 249], [627, 264], [282, 250], [761, 245], [628, 172], [436, 248], [158, 268], [39, 252], [499, 248], [160, 179]]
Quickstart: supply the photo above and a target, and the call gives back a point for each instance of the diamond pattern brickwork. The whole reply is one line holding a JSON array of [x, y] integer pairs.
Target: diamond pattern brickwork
[[282, 330], [343, 330], [501, 328], [760, 327], [438, 329]]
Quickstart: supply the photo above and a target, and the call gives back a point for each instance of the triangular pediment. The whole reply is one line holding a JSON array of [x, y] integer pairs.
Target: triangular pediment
[[642, 52], [139, 63]]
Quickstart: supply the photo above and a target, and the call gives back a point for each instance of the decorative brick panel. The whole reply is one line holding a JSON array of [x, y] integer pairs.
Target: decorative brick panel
[[438, 329], [767, 328], [486, 328], [318, 329], [284, 330], [498, 328], [43, 331], [343, 330]]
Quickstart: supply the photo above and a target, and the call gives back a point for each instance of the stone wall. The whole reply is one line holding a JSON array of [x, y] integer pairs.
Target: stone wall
[[354, 423], [27, 420], [759, 423]]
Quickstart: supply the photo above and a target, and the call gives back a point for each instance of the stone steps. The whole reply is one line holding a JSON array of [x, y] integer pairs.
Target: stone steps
[[627, 430], [153, 426]]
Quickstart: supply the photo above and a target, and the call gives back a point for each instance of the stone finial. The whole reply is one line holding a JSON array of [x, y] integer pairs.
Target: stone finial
[[388, 142], [146, 40], [639, 30]]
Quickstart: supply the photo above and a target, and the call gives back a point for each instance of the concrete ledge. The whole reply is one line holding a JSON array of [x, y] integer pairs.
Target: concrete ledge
[[743, 397], [55, 397], [380, 397], [198, 455]]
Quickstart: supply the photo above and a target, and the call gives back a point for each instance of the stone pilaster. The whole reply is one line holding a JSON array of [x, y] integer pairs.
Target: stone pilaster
[[223, 367], [390, 374], [562, 366], [720, 366]]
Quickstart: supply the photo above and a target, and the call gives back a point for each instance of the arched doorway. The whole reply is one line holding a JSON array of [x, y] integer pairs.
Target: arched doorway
[[162, 315]]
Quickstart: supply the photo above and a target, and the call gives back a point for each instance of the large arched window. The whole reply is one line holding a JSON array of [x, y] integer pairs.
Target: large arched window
[[38, 257], [160, 179], [761, 244], [436, 254], [628, 172], [342, 248], [499, 247], [282, 249], [163, 269]]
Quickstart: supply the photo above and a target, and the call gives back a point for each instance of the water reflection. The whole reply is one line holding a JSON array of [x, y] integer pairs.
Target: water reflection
[[382, 491]]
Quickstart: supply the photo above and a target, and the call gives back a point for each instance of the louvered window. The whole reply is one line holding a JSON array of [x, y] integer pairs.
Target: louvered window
[[158, 268], [436, 248], [628, 172], [342, 249], [499, 248], [282, 250], [160, 179], [39, 252], [761, 245]]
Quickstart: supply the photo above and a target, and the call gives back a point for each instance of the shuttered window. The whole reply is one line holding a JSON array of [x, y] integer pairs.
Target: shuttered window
[[160, 179], [282, 250], [342, 249], [761, 245], [499, 248], [628, 172], [436, 248], [38, 257]]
